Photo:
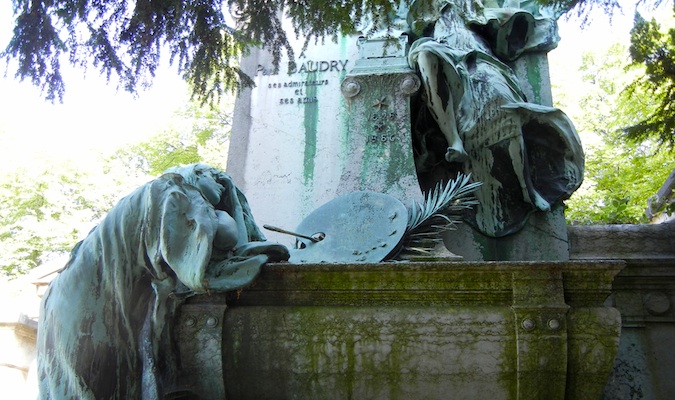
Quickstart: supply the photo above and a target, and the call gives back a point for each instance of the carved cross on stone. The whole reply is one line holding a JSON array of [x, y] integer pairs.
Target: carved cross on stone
[[381, 103]]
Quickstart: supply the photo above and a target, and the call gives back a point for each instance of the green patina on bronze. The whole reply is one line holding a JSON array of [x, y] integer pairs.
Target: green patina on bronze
[[478, 103], [106, 320]]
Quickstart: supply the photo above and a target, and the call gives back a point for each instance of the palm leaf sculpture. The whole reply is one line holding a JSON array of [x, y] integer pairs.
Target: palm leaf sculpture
[[439, 213]]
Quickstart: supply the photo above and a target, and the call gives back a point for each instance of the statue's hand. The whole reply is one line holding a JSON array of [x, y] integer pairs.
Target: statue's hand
[[456, 154], [274, 251], [231, 274]]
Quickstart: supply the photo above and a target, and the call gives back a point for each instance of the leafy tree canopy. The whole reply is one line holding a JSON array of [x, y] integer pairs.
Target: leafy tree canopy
[[619, 180], [45, 211], [48, 208], [654, 48], [583, 8], [126, 39], [196, 134], [620, 175]]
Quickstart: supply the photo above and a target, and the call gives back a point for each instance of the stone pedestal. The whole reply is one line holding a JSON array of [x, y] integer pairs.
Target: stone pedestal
[[412, 330], [644, 292], [379, 145], [543, 238], [199, 338]]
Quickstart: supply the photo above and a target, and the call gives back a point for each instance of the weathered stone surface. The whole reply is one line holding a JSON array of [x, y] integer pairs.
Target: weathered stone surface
[[199, 335], [622, 241], [420, 330], [379, 155], [17, 355], [542, 238], [289, 133], [644, 292]]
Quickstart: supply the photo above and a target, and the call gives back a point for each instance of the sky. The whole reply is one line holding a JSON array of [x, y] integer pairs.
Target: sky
[[95, 117]]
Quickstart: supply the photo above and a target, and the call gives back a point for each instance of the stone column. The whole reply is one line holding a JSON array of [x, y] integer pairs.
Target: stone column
[[199, 338], [379, 145], [541, 334]]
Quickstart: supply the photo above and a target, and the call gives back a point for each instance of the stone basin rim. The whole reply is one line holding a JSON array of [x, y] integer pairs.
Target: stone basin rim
[[595, 264]]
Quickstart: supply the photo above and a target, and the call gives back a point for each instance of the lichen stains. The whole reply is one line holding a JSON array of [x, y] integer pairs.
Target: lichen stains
[[311, 122]]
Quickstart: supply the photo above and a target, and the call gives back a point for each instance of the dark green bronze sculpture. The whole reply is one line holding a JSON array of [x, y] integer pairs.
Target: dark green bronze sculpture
[[369, 227], [105, 323], [528, 156], [357, 227]]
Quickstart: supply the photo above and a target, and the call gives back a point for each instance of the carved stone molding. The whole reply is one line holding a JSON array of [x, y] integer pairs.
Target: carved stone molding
[[478, 330]]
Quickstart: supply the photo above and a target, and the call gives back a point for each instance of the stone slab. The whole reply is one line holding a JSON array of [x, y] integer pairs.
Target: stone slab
[[543, 238], [419, 330], [289, 133], [644, 292], [622, 241]]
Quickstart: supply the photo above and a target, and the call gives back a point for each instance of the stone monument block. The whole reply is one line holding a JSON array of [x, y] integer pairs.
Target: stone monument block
[[379, 153], [289, 135], [352, 116], [503, 330]]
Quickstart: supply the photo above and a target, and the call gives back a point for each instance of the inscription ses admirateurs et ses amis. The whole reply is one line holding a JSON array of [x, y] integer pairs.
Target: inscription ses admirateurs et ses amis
[[299, 85]]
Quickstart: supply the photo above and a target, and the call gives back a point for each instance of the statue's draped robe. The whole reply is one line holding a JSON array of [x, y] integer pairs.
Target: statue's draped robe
[[527, 156], [104, 331]]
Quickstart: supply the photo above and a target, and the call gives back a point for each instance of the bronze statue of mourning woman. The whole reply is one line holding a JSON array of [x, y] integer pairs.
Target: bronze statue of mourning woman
[[105, 321], [474, 117]]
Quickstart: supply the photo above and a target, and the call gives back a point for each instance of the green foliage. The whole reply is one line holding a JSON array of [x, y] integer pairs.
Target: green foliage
[[197, 134], [653, 48], [619, 180], [127, 39], [440, 211], [629, 105], [620, 176], [605, 76], [582, 8], [45, 211], [442, 205], [656, 51], [48, 208]]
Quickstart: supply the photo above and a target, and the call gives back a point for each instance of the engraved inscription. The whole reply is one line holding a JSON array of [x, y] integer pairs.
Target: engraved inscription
[[375, 139], [306, 67], [380, 120], [297, 84], [298, 94], [298, 100], [298, 90]]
